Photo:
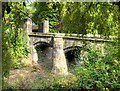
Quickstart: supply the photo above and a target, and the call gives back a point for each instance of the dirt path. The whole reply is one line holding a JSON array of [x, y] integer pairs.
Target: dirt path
[[30, 72]]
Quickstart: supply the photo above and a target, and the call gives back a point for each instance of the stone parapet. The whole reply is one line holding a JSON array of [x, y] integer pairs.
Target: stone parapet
[[96, 38]]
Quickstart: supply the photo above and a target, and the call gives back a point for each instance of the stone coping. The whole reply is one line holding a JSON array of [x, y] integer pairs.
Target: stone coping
[[74, 36]]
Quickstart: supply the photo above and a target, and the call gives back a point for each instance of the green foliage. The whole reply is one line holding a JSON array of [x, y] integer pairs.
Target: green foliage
[[14, 40], [100, 70], [20, 83], [54, 82], [84, 18], [6, 54], [93, 18], [47, 11]]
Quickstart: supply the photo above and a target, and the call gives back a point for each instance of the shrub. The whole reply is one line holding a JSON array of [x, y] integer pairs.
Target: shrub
[[100, 70]]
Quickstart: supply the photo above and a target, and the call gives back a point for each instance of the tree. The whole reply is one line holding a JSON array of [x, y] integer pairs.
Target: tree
[[78, 17], [13, 36], [94, 18], [48, 11]]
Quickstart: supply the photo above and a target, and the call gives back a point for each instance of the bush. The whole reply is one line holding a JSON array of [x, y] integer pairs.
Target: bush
[[100, 70], [55, 82]]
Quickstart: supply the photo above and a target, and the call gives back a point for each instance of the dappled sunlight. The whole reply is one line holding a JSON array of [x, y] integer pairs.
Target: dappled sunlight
[[40, 51]]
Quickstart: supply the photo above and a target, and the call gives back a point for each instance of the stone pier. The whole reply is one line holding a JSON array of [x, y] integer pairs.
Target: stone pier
[[35, 55], [59, 60]]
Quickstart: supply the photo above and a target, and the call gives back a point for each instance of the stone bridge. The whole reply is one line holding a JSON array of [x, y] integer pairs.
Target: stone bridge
[[57, 50]]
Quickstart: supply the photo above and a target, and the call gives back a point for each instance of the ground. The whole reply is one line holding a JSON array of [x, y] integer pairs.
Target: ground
[[23, 78], [29, 71]]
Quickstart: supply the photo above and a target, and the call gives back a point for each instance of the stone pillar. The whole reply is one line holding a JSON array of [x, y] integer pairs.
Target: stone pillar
[[45, 26], [34, 55], [29, 25], [59, 60], [28, 28], [28, 31]]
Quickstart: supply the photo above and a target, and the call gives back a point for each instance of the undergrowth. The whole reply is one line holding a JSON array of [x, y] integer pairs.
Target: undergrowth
[[98, 71]]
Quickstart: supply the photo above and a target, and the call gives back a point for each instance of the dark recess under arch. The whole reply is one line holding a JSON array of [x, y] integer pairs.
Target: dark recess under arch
[[44, 50], [72, 54], [42, 45]]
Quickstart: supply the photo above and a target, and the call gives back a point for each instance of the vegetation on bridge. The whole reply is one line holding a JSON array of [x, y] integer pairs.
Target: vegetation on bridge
[[97, 72]]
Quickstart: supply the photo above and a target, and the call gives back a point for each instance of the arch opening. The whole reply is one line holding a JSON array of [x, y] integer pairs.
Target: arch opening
[[72, 56], [44, 52]]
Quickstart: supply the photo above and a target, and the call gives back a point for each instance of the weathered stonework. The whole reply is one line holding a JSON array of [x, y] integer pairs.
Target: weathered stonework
[[57, 48], [29, 25], [60, 45], [28, 28], [59, 60], [34, 55], [45, 26]]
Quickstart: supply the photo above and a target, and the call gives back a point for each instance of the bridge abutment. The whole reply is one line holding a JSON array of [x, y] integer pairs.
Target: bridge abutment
[[59, 60], [35, 55]]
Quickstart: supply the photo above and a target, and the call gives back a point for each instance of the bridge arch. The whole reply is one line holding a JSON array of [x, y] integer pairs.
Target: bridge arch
[[44, 54], [42, 44], [72, 54]]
